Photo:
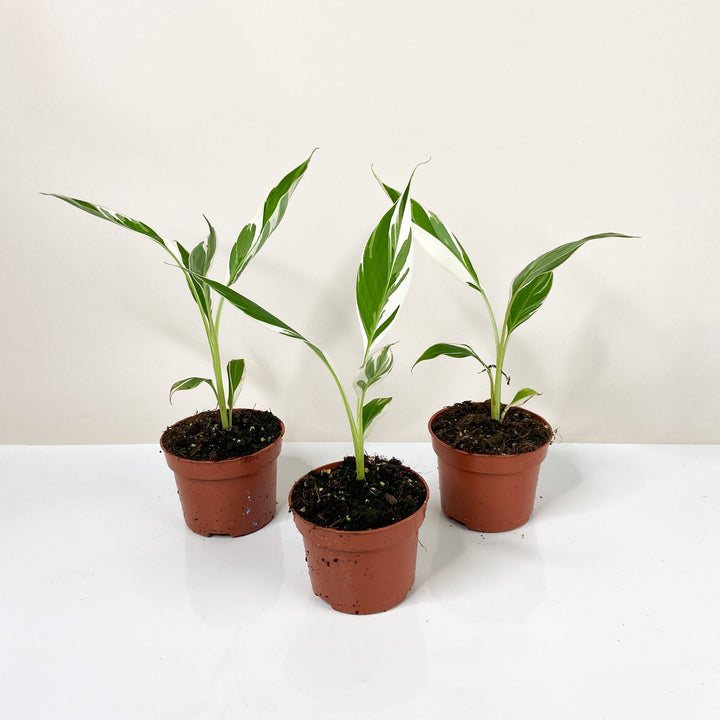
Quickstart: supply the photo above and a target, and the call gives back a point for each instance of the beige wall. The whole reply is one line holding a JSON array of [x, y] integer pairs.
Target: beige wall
[[546, 121]]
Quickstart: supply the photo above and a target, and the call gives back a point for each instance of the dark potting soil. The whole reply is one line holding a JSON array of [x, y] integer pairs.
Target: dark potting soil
[[335, 498], [469, 426], [202, 437]]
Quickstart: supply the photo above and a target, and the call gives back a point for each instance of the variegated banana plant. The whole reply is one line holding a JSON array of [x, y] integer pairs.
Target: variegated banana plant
[[528, 291], [382, 282], [196, 263]]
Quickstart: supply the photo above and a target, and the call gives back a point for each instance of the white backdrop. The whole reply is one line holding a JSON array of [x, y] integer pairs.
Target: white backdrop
[[546, 121]]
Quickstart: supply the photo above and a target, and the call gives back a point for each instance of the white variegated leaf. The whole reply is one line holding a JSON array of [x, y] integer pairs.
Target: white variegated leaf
[[443, 256], [521, 397], [385, 271], [371, 412], [267, 218], [190, 383], [377, 366]]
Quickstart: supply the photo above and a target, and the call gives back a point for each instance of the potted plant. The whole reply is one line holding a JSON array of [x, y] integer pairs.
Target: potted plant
[[360, 517], [224, 460], [489, 453]]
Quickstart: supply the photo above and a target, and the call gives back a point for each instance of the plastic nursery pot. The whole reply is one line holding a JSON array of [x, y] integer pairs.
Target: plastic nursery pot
[[362, 572], [487, 493], [228, 497]]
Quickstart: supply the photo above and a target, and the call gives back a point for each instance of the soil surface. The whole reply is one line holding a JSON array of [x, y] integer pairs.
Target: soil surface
[[336, 499], [469, 426], [201, 436]]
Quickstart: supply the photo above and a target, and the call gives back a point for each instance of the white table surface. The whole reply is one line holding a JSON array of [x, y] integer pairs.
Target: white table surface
[[606, 605]]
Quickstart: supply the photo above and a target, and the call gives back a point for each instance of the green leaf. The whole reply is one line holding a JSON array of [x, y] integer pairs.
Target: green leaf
[[196, 264], [451, 350], [240, 253], [553, 258], [375, 368], [371, 412], [184, 255], [521, 397], [438, 241], [383, 276], [528, 300], [274, 208], [112, 216], [190, 383], [235, 374], [198, 259], [211, 245], [277, 199], [200, 295], [254, 311]]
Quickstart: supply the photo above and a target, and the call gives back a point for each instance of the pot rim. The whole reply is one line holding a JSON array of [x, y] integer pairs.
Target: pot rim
[[333, 532], [542, 448], [267, 449]]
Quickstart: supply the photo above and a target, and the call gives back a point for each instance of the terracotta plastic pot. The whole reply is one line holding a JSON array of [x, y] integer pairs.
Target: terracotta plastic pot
[[228, 497], [487, 493], [362, 572]]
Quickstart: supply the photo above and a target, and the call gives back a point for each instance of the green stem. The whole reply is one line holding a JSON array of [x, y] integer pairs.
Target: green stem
[[500, 346], [211, 332], [225, 404], [359, 440], [356, 428], [225, 413], [496, 396]]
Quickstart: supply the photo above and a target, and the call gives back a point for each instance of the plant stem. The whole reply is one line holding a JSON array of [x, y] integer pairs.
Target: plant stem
[[225, 413], [500, 347], [356, 428], [211, 333], [359, 440], [495, 398]]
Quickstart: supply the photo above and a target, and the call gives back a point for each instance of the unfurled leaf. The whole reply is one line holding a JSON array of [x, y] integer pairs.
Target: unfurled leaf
[[277, 199], [553, 258], [254, 235], [112, 216], [235, 375], [521, 397], [371, 412], [254, 311], [377, 366], [383, 277], [451, 350], [528, 300], [190, 383]]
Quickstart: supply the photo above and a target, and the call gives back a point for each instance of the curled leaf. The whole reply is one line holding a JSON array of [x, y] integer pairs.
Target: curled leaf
[[371, 412], [521, 397], [235, 375], [375, 368], [451, 350], [437, 240], [190, 383]]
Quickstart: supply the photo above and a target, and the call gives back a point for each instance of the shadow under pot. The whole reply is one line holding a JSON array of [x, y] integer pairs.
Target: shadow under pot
[[361, 572], [232, 497], [488, 493]]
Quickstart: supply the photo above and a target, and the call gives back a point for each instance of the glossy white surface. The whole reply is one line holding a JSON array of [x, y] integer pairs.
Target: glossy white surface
[[604, 606]]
